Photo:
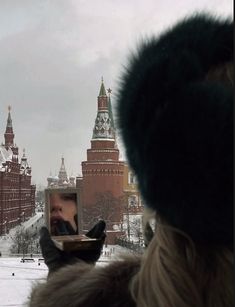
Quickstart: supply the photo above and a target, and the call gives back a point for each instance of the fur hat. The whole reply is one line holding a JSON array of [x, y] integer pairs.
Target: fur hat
[[177, 127]]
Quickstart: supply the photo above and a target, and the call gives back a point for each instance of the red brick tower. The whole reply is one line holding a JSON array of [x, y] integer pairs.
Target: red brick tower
[[102, 182]]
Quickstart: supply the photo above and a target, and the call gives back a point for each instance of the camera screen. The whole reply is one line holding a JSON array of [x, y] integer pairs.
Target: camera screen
[[63, 213]]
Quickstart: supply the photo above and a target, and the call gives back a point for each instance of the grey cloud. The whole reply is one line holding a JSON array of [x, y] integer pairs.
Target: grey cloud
[[52, 57]]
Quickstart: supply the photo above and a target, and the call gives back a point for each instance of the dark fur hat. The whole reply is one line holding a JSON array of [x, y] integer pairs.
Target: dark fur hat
[[177, 127]]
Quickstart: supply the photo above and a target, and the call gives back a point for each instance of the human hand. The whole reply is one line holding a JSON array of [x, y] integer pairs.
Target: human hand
[[55, 258]]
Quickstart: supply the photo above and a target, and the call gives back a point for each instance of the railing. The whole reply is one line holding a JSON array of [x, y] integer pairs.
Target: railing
[[135, 247], [21, 255]]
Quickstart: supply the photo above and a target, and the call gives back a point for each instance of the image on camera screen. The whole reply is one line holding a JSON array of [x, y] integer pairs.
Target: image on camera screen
[[63, 213]]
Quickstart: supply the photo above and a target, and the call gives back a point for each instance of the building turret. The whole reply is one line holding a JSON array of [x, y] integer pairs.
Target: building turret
[[24, 165], [62, 173], [49, 180], [9, 138], [72, 181], [9, 135]]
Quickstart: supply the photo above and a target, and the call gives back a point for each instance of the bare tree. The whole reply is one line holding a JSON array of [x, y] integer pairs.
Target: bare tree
[[106, 207], [136, 228], [132, 220], [22, 241]]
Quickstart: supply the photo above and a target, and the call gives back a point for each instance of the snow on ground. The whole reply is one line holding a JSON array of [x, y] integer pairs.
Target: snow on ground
[[14, 290], [32, 220], [17, 278]]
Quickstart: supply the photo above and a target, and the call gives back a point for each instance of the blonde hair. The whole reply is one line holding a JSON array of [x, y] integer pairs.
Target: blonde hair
[[177, 273]]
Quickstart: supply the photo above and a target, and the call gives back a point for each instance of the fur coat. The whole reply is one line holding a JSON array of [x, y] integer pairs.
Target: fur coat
[[85, 285]]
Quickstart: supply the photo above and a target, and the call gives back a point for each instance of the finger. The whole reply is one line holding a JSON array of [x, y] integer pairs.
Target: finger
[[103, 236], [49, 250], [44, 232], [97, 230], [44, 235]]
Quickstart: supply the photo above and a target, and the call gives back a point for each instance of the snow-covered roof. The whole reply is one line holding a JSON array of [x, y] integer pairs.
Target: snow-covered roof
[[5, 155], [53, 178]]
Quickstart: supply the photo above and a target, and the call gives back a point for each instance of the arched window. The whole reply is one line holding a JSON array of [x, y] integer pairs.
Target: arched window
[[131, 178]]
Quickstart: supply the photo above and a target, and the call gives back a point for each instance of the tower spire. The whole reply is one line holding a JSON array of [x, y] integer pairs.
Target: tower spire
[[9, 135], [102, 88], [62, 172]]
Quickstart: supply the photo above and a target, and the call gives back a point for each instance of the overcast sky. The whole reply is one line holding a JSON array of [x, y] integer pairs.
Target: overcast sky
[[52, 56]]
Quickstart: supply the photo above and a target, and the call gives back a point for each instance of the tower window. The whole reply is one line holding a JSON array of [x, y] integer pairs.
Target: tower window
[[131, 178]]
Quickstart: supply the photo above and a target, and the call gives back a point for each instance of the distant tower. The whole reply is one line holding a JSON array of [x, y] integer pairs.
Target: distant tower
[[50, 180], [72, 181], [102, 172], [63, 178], [24, 166], [9, 135], [9, 138]]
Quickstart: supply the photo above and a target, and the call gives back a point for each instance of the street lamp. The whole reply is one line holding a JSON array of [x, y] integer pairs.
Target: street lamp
[[24, 247]]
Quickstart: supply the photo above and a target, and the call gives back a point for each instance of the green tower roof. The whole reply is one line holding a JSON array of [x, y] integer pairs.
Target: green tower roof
[[102, 89]]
